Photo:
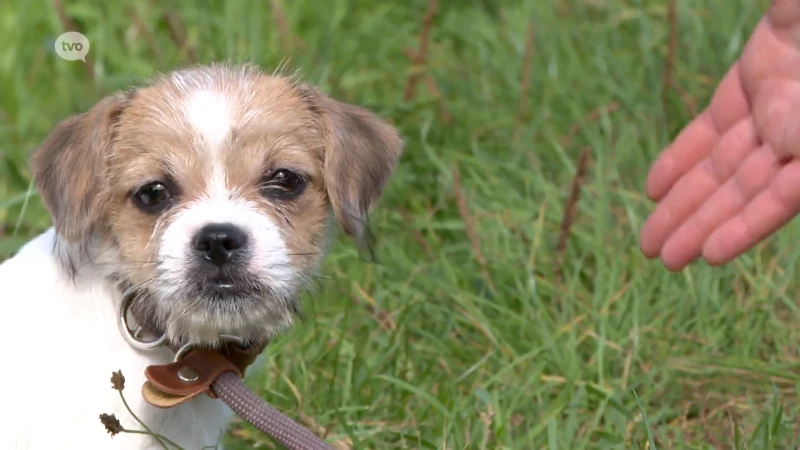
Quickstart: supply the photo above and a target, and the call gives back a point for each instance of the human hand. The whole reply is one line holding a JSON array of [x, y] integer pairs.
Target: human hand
[[730, 178]]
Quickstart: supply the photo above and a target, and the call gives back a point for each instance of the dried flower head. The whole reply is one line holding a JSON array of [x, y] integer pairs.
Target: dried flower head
[[111, 423], [117, 380]]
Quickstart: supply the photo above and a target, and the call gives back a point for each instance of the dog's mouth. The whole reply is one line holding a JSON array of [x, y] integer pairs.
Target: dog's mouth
[[228, 288], [201, 309]]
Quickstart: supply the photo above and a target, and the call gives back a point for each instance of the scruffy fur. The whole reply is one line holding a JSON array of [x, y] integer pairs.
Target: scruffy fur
[[213, 135]]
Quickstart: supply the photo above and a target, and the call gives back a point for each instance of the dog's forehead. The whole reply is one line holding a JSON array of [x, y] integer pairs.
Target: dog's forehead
[[200, 121], [214, 106]]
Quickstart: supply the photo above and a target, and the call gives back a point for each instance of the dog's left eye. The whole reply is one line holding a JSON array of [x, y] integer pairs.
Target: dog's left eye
[[152, 197], [283, 183]]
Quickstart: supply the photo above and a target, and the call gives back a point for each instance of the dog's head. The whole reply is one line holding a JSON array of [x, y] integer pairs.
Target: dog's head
[[210, 193]]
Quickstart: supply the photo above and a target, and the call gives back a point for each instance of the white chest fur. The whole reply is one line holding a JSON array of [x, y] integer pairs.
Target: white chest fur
[[61, 345]]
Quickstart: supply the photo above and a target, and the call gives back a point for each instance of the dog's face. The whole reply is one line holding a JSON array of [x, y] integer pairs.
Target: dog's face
[[210, 193]]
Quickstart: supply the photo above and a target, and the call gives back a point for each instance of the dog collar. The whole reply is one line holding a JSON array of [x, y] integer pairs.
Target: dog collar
[[216, 372], [193, 369]]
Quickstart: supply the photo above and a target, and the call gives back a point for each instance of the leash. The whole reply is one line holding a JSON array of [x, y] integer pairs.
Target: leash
[[252, 408], [217, 373]]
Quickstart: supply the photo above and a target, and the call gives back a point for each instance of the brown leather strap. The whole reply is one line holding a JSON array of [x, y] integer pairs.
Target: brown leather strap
[[242, 358], [169, 385]]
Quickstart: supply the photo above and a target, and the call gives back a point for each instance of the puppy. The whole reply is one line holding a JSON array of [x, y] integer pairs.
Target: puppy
[[208, 197]]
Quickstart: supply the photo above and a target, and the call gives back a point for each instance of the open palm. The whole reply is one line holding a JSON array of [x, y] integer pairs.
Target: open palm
[[730, 178]]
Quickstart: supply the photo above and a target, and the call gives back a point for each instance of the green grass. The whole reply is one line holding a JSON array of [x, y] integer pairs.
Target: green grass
[[419, 349]]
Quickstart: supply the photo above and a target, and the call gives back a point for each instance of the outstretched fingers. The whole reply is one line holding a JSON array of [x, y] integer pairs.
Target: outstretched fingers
[[752, 176], [692, 145], [695, 142], [692, 191], [770, 210]]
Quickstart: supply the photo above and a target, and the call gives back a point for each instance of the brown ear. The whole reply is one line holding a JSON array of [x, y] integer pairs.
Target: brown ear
[[69, 167], [361, 152]]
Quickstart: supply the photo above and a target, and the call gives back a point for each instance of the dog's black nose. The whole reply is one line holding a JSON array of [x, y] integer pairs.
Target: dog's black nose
[[217, 243]]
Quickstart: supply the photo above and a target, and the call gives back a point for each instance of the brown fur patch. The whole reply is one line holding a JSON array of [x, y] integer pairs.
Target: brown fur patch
[[361, 151], [69, 169]]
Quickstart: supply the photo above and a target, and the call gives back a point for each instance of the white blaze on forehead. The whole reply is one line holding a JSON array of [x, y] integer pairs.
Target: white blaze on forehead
[[209, 113]]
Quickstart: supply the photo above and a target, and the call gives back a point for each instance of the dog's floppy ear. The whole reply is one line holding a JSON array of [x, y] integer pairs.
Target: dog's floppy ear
[[69, 168], [361, 152]]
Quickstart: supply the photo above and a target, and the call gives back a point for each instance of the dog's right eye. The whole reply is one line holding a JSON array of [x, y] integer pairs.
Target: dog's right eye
[[152, 197]]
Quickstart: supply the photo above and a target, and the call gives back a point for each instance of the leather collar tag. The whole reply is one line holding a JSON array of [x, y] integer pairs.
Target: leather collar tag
[[171, 384]]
